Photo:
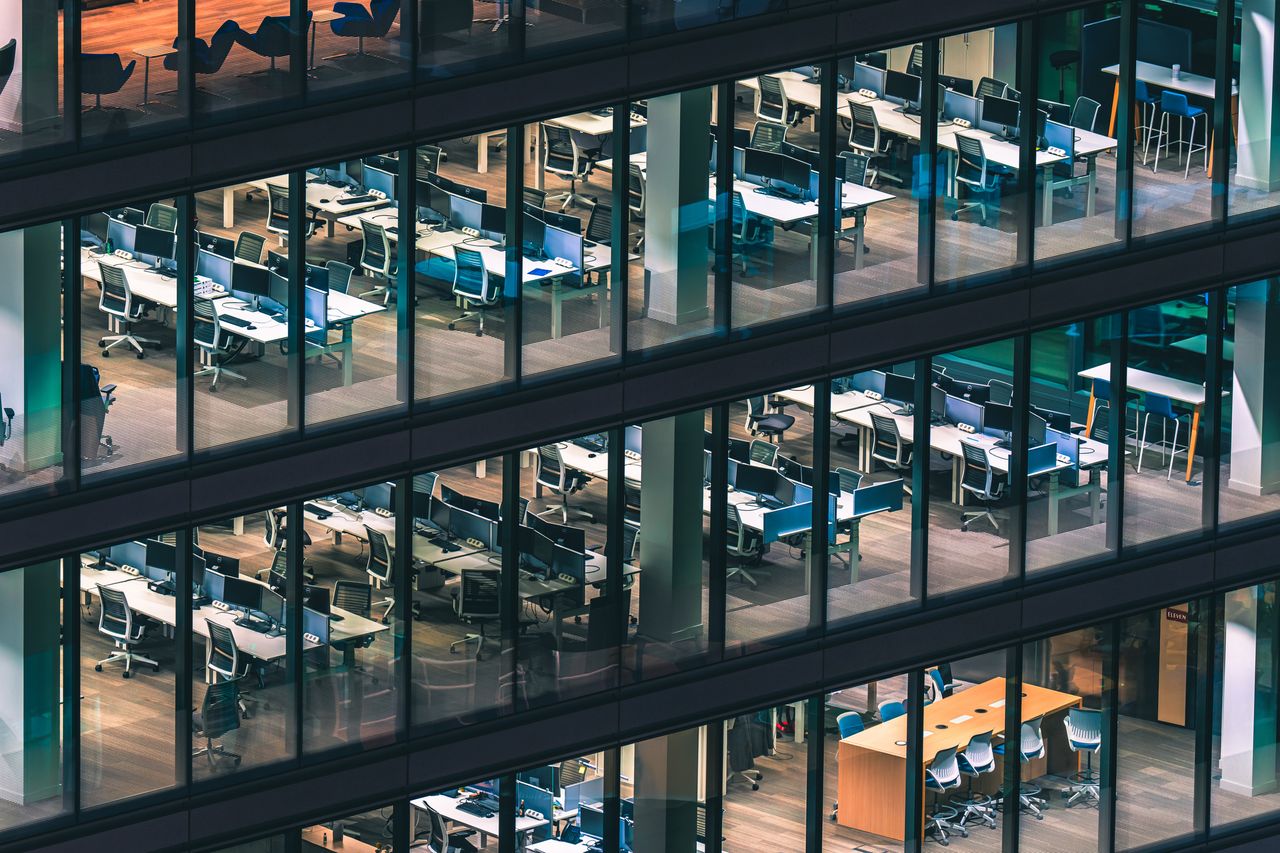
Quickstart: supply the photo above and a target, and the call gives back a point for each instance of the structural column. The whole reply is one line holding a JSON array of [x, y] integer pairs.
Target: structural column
[[666, 792], [1248, 724], [1255, 390], [1258, 124]]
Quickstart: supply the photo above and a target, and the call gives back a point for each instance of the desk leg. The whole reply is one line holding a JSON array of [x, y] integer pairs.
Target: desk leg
[[1115, 104], [557, 307], [228, 207], [855, 558], [602, 299], [539, 175], [237, 525], [1054, 501], [1090, 204], [1088, 420], [1191, 445], [1046, 196], [797, 709], [957, 472], [146, 84], [859, 237], [348, 351], [482, 153], [481, 465]]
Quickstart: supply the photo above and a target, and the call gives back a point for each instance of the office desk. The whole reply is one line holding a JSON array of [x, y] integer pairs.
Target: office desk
[[1162, 76], [321, 838], [1199, 344], [584, 123], [447, 808], [871, 765], [798, 90], [1177, 390], [840, 402], [321, 198]]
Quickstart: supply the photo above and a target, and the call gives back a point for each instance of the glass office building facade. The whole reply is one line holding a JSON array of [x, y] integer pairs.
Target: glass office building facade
[[430, 350]]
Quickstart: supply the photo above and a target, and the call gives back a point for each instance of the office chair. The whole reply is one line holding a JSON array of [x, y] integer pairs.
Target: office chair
[[1161, 407], [6, 422], [213, 344], [278, 572], [95, 403], [162, 216], [118, 623], [275, 522], [339, 275], [1030, 747], [116, 300], [443, 841], [849, 480], [535, 197], [915, 63], [976, 174], [763, 452], [888, 448], [977, 759], [206, 57], [981, 481], [1175, 104], [354, 597], [600, 231], [942, 775], [1084, 734], [631, 505], [278, 214], [222, 659], [771, 426], [865, 138], [989, 86], [849, 724], [1084, 113], [1102, 400], [273, 39], [561, 480], [476, 600], [941, 689], [767, 136], [1150, 106], [744, 545], [381, 566], [218, 716], [891, 709], [103, 74], [749, 230], [377, 260], [773, 105], [562, 157], [474, 286], [428, 158], [361, 23], [636, 192]]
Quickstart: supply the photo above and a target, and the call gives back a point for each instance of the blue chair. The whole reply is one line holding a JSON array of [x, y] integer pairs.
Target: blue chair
[[103, 74], [1102, 399], [978, 758], [1150, 105], [273, 39], [473, 285], [1161, 408], [361, 23], [207, 58], [849, 723], [891, 709], [1084, 734], [940, 686], [942, 775], [1176, 104]]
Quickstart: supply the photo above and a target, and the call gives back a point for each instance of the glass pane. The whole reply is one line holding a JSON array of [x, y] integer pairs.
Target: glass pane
[[1166, 393], [572, 788], [1253, 180], [1173, 102], [870, 570], [766, 748], [1060, 675], [772, 484], [271, 844], [1248, 474], [963, 726], [878, 165], [569, 643], [1077, 190], [974, 511], [775, 207], [242, 370], [1066, 522], [31, 372], [436, 821], [569, 207], [671, 291], [244, 704], [126, 629], [865, 809], [1245, 707], [664, 790], [553, 27], [130, 86], [461, 313], [32, 668], [979, 208], [31, 99], [1159, 672], [231, 82], [461, 670], [676, 15], [371, 830], [350, 692], [357, 46], [664, 497], [129, 315], [458, 36], [352, 337]]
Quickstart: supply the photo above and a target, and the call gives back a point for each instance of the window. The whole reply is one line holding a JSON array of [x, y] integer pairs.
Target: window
[[372, 830], [437, 819], [676, 15], [31, 43], [244, 370], [463, 317], [128, 651], [245, 66], [577, 787], [671, 290], [765, 757], [980, 206], [31, 372], [129, 337], [457, 37], [879, 170], [1252, 181], [355, 48], [664, 800], [352, 335], [350, 571], [244, 705], [553, 27], [463, 667], [865, 811]]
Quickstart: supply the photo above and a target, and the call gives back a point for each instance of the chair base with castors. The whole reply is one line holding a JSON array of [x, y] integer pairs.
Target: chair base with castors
[[941, 822], [217, 750], [217, 373], [968, 518], [753, 777], [128, 658], [141, 345]]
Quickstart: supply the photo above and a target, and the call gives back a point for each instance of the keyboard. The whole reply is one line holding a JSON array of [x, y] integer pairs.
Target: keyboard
[[472, 807], [317, 510], [235, 321], [356, 199]]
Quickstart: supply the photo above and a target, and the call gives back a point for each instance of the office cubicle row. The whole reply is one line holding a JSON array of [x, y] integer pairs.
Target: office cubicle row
[[1147, 729]]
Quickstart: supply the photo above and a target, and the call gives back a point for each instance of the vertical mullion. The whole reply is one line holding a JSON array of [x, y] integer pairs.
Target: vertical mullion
[[614, 523], [920, 479], [618, 290], [1222, 130], [407, 224], [1204, 615], [612, 798], [182, 658], [1124, 121], [714, 785], [509, 582], [297, 301], [512, 284], [926, 214], [409, 38], [71, 95], [913, 814], [1110, 727], [718, 583], [295, 667], [184, 334], [1018, 453], [1028, 67], [723, 320], [1211, 416], [299, 30], [819, 550], [1011, 813], [72, 285], [1116, 430], [507, 841], [401, 819], [402, 646], [827, 201], [186, 94], [71, 710], [814, 803]]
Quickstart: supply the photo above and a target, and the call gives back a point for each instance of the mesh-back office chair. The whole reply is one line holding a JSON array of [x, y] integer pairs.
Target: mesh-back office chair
[[767, 136], [443, 841], [249, 247], [636, 197], [1160, 407], [278, 214], [214, 344], [124, 628], [1084, 734], [381, 566], [476, 600], [866, 138], [562, 157], [219, 715], [377, 260], [600, 231], [339, 275], [278, 572], [770, 425], [915, 63], [973, 171], [474, 286], [1084, 114], [354, 597], [561, 480], [631, 504], [749, 231], [275, 522], [162, 216], [103, 74], [223, 661], [360, 23], [942, 775], [989, 86], [535, 197], [977, 760], [772, 103], [123, 309], [428, 159], [888, 447], [744, 545], [95, 403], [764, 453], [982, 482]]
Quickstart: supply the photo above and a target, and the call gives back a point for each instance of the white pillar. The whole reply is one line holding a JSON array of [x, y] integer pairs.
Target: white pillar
[[1258, 123], [666, 793], [1248, 722], [1255, 397]]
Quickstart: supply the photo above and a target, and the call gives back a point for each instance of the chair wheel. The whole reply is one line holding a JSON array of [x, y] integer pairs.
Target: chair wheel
[[755, 786], [126, 674], [102, 344], [451, 327], [955, 217], [106, 353], [236, 761], [142, 354], [98, 668], [155, 668], [213, 389]]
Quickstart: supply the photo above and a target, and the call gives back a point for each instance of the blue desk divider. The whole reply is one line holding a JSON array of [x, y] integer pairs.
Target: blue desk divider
[[1042, 458], [787, 521], [877, 498], [538, 800]]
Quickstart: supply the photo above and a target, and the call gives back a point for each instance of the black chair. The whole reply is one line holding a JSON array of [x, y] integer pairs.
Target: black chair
[[443, 841], [476, 601], [361, 23], [218, 716], [206, 58], [95, 403], [103, 74], [760, 422], [8, 54], [273, 39]]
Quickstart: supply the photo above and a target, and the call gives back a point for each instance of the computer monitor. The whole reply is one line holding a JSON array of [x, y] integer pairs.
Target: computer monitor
[[277, 262], [316, 597], [545, 778], [866, 76], [777, 171], [96, 224], [569, 563], [997, 418], [120, 234], [1057, 420], [937, 399], [474, 193], [317, 277], [974, 392], [469, 525], [198, 567], [756, 480], [632, 438], [229, 566], [573, 538], [493, 220], [1060, 136], [382, 181], [869, 380], [1036, 427], [243, 593], [316, 624], [161, 555], [961, 411], [901, 389], [153, 242], [1000, 111], [535, 235], [902, 87], [591, 820], [271, 605], [963, 85], [277, 289], [380, 496], [563, 221], [957, 105], [538, 550], [465, 212], [434, 197], [213, 585], [222, 246], [422, 505], [250, 280], [214, 266]]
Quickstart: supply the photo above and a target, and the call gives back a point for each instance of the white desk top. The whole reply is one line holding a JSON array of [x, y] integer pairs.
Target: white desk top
[[1152, 383], [495, 262], [553, 845], [324, 198], [591, 124], [1162, 76], [447, 808], [842, 402], [797, 88]]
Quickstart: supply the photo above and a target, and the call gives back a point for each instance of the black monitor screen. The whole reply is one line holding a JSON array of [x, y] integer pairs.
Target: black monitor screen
[[756, 479], [433, 195], [153, 241], [899, 388], [535, 234], [904, 87], [974, 392], [937, 399], [251, 279], [161, 555], [493, 219], [1000, 111], [563, 221], [474, 193], [316, 597], [573, 538], [242, 592], [776, 168], [997, 417]]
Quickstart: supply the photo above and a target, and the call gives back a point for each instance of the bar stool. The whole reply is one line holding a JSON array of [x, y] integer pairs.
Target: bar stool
[[1150, 107], [1162, 408], [1176, 104]]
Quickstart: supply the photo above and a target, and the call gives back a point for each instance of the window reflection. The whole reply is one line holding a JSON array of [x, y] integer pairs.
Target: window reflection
[[31, 51], [241, 57], [128, 84]]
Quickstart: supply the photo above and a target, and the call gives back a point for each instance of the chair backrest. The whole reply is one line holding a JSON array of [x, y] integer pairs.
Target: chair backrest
[[551, 470], [849, 479], [376, 255], [471, 277], [220, 709], [864, 132], [1159, 405], [278, 208], [854, 167], [886, 442], [279, 572], [535, 197], [1084, 728], [205, 326], [891, 708], [115, 619], [767, 136], [116, 298], [428, 159], [849, 723], [222, 655], [103, 73], [162, 216], [560, 152], [736, 539], [1084, 115], [339, 275], [755, 411], [249, 246], [916, 62], [1171, 102], [354, 597], [978, 476], [971, 162], [600, 223], [990, 86], [944, 769], [478, 594], [273, 521], [771, 102], [380, 562], [763, 452], [979, 754], [1032, 742], [939, 686], [439, 842], [630, 542], [635, 189]]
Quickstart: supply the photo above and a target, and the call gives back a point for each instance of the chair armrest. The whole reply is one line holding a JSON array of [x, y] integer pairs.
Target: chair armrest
[[105, 389]]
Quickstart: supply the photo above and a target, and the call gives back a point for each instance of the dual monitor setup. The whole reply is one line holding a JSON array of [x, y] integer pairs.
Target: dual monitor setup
[[126, 229]]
